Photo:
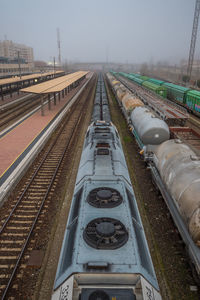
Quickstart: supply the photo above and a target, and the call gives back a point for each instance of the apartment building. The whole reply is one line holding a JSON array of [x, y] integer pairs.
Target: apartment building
[[9, 62]]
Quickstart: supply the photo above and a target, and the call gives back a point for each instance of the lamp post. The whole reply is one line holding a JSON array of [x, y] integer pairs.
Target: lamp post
[[20, 75], [54, 65]]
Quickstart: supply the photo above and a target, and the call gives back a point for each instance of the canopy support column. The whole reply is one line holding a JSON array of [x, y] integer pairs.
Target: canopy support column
[[49, 101], [10, 92], [2, 93], [42, 105], [17, 88]]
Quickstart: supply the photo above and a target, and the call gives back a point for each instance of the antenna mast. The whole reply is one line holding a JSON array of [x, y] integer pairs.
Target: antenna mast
[[193, 38], [58, 41]]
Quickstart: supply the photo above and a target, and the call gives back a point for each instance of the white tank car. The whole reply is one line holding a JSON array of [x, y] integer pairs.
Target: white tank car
[[121, 92], [179, 168], [150, 129], [130, 102]]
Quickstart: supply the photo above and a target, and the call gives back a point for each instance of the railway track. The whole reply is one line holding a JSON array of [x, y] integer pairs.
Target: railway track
[[13, 112], [194, 123], [169, 111], [167, 249], [30, 206]]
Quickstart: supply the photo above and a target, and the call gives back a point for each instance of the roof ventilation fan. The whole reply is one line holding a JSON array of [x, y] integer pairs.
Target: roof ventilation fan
[[105, 234], [104, 198]]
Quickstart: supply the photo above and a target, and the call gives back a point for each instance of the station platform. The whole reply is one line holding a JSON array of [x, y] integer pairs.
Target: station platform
[[15, 145]]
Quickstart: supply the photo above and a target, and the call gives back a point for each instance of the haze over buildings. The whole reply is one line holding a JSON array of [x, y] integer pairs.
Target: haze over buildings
[[14, 56], [10, 50], [129, 31]]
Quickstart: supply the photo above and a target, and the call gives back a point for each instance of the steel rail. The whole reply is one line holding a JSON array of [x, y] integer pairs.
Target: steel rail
[[18, 111], [73, 133]]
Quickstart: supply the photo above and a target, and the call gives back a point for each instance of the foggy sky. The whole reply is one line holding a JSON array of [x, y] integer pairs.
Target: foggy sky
[[133, 31]]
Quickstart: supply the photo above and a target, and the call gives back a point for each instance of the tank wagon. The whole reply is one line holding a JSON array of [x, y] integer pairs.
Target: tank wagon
[[175, 169], [151, 130], [186, 97], [148, 130], [104, 253]]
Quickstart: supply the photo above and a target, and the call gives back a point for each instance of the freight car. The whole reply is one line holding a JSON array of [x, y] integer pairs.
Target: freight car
[[104, 253], [148, 129], [159, 90], [156, 81], [168, 111], [176, 92], [184, 96], [101, 108], [175, 169], [193, 101], [147, 83]]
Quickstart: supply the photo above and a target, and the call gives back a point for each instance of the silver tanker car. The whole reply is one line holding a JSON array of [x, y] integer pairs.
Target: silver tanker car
[[179, 168], [148, 129], [151, 130]]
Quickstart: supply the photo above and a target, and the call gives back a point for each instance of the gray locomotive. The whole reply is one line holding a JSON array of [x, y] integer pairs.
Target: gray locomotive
[[104, 253]]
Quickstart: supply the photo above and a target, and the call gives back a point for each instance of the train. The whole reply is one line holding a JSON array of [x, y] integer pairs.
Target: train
[[184, 96], [104, 253], [175, 169], [148, 129]]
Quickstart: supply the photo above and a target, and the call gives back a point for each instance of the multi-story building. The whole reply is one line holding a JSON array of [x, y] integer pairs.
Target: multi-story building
[[9, 61]]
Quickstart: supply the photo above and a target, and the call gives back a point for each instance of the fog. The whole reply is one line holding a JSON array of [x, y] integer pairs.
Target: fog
[[128, 31]]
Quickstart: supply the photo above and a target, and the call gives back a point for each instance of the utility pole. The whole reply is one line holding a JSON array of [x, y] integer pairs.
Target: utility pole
[[193, 38], [54, 65], [20, 75], [59, 51]]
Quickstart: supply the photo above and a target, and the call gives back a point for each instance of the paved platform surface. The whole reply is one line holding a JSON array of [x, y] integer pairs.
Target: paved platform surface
[[14, 143]]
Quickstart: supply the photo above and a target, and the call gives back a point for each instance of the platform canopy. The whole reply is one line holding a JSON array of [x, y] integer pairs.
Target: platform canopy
[[16, 79], [55, 85]]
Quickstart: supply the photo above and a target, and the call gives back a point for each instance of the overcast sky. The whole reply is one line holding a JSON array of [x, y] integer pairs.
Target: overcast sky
[[131, 31]]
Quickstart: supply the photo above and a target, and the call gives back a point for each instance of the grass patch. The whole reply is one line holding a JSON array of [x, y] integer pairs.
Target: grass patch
[[127, 139]]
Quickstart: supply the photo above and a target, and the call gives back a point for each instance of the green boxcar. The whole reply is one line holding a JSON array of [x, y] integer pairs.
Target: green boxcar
[[131, 77], [137, 80], [123, 74], [144, 77], [160, 90], [136, 75], [156, 81], [193, 100], [176, 92]]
